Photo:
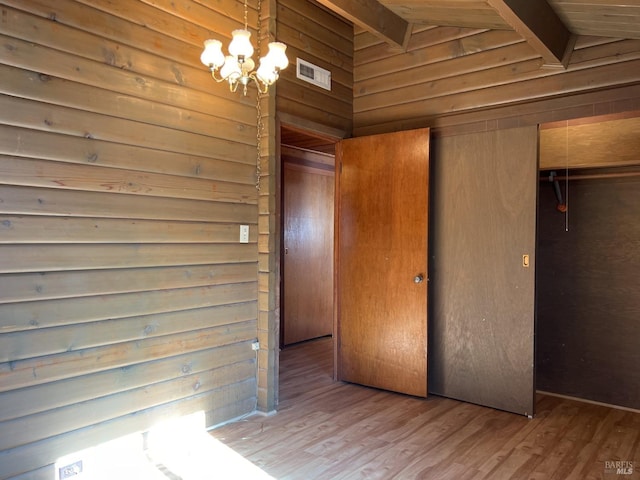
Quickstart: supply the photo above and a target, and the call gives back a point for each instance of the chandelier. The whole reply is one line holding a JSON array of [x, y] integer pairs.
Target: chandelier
[[237, 68]]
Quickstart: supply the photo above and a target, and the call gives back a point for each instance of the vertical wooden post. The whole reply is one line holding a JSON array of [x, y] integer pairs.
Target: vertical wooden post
[[268, 237]]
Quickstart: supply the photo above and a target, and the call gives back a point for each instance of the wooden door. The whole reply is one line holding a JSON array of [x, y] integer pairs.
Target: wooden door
[[308, 253], [381, 234], [483, 302]]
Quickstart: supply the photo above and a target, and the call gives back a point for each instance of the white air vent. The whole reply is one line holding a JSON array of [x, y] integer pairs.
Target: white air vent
[[313, 74]]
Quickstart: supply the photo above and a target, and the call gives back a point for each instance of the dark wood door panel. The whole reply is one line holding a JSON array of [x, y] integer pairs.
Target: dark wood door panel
[[481, 340]]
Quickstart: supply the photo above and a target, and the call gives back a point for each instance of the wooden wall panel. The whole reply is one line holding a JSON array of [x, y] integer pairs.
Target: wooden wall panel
[[51, 423], [78, 283], [320, 37], [462, 71], [587, 287], [125, 171], [222, 402]]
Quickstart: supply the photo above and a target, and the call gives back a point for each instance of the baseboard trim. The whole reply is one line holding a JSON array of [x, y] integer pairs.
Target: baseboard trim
[[584, 400], [231, 420]]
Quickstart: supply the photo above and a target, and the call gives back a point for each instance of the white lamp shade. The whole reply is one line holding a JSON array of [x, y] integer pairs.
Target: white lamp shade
[[241, 44], [277, 55], [231, 69], [266, 72], [212, 55]]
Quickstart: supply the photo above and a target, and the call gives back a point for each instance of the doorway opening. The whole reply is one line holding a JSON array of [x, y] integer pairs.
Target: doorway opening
[[587, 262], [307, 161]]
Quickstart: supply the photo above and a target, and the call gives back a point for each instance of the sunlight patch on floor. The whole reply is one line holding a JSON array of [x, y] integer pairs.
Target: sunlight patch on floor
[[179, 449]]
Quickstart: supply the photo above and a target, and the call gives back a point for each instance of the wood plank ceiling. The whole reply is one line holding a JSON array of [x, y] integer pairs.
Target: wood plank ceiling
[[306, 140], [604, 18], [550, 27]]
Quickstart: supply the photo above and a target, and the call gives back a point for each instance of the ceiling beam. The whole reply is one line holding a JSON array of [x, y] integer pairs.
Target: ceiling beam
[[540, 26], [373, 17]]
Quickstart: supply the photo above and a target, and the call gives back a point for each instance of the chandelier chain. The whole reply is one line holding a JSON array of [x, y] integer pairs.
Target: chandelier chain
[[259, 124], [258, 141], [245, 15]]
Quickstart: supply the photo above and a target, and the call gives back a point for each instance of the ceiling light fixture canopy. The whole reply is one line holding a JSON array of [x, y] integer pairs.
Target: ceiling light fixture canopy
[[238, 67]]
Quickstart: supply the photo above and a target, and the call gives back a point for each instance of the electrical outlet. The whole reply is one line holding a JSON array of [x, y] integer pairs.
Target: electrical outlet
[[70, 470], [244, 233], [255, 346]]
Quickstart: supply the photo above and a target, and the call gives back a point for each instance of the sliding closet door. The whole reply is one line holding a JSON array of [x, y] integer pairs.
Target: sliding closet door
[[483, 268]]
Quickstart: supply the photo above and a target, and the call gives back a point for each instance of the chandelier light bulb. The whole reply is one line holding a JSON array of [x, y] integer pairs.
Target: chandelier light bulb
[[240, 46], [277, 55], [266, 72], [212, 55], [248, 65], [231, 70]]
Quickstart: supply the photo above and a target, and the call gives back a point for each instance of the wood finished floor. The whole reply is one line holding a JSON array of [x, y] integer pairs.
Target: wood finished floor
[[332, 430]]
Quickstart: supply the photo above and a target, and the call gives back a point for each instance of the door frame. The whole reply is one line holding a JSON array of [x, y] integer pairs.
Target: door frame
[[311, 133]]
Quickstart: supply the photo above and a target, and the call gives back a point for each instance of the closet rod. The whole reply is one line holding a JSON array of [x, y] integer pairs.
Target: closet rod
[[588, 176]]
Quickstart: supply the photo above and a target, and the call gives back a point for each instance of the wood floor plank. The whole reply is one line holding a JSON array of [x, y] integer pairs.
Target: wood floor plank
[[339, 431]]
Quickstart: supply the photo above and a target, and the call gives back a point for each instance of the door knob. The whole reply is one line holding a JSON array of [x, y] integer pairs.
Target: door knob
[[418, 278]]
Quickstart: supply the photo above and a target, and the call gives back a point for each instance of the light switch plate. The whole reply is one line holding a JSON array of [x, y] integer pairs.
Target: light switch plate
[[244, 233]]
